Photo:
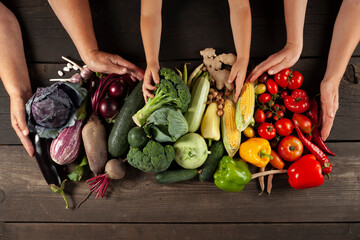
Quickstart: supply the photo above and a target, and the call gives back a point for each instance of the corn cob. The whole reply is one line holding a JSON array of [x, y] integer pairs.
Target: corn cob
[[245, 106], [231, 136]]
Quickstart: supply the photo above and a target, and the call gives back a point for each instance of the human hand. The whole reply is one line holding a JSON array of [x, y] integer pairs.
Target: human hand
[[329, 103], [151, 73], [98, 61], [238, 74], [285, 58], [18, 122]]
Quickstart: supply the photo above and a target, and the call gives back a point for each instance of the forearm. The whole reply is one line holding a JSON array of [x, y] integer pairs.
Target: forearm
[[240, 18], [294, 11], [13, 69], [75, 16], [151, 29], [346, 36]]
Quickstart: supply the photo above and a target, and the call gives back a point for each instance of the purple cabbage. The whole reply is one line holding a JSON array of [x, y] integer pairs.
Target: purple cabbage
[[53, 108]]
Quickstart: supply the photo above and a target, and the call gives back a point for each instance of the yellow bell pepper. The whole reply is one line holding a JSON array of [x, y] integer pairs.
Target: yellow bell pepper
[[210, 125], [256, 151]]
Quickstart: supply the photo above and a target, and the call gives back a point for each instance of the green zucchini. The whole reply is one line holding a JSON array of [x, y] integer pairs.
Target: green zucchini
[[211, 163], [199, 95], [118, 144], [172, 176]]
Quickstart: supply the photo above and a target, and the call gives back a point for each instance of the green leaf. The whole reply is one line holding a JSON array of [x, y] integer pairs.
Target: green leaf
[[79, 170], [60, 190]]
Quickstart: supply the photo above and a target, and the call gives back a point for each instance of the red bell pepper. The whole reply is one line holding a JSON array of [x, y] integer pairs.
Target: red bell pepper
[[305, 173], [297, 102]]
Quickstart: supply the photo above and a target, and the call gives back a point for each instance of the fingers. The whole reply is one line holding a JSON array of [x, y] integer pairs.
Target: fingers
[[233, 75], [277, 68], [237, 92], [132, 69], [22, 132], [156, 77], [327, 123], [263, 67]]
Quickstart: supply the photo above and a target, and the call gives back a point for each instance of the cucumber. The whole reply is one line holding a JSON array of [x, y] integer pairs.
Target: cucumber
[[211, 163], [118, 144], [172, 176]]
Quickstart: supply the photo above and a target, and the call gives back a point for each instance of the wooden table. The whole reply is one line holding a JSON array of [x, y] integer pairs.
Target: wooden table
[[137, 207]]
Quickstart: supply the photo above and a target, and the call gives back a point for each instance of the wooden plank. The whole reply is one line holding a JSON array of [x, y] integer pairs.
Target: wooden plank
[[187, 28], [312, 70], [137, 198], [39, 231]]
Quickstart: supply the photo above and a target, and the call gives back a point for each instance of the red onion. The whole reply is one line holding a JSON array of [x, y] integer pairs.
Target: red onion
[[117, 89], [108, 107]]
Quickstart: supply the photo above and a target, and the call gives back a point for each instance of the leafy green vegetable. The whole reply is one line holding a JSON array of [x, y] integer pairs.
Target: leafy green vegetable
[[79, 170], [166, 125], [171, 92], [152, 158]]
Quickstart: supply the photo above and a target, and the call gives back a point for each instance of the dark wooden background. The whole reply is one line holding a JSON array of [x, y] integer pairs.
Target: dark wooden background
[[136, 207]]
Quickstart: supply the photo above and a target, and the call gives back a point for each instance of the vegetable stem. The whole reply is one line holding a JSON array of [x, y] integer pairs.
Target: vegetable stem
[[260, 174]]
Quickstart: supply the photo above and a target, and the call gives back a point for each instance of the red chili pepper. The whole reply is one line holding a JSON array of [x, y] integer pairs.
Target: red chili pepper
[[297, 102], [305, 173], [319, 142], [309, 137], [312, 113], [320, 155]]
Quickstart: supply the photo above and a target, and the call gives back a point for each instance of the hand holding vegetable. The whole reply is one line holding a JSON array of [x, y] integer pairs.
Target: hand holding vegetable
[[329, 105], [151, 74], [237, 75]]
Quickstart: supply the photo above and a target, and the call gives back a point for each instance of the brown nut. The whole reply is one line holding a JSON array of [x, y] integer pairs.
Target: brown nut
[[220, 106], [220, 113]]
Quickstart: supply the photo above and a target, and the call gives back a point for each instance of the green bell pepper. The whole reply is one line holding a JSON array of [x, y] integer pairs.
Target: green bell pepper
[[232, 175]]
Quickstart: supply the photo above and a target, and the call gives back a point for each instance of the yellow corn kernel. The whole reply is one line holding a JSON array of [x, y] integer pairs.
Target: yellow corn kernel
[[245, 106], [231, 136]]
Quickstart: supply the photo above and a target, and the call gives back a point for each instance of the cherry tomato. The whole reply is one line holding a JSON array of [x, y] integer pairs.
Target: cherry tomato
[[266, 130], [280, 113], [303, 122], [284, 94], [290, 148], [260, 89], [276, 161], [276, 117], [271, 103], [264, 98], [263, 77], [276, 107], [259, 116], [284, 127], [283, 108], [249, 132], [281, 78], [296, 80], [268, 114], [272, 87], [263, 107]]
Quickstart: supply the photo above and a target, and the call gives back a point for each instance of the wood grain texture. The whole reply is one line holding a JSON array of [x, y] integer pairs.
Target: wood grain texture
[[137, 198], [188, 26], [58, 231]]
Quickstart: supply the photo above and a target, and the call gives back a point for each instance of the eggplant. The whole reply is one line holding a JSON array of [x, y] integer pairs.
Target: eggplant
[[42, 154]]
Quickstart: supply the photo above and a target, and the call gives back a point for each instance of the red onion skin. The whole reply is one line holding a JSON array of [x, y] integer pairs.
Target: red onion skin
[[117, 89], [108, 107]]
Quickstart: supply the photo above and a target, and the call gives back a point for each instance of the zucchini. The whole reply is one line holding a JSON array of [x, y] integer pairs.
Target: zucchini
[[118, 144], [199, 95], [172, 176], [211, 163]]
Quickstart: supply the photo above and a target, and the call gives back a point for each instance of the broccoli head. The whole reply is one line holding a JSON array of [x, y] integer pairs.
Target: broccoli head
[[152, 158], [170, 92]]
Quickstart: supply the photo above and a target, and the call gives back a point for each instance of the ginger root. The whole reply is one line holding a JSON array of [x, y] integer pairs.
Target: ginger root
[[214, 65]]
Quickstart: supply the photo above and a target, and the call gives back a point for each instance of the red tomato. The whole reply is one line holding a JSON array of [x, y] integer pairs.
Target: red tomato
[[266, 130], [271, 86], [290, 148], [259, 116], [284, 127], [283, 108], [280, 113], [281, 77], [268, 114], [264, 98], [296, 80], [276, 107], [284, 94], [297, 102], [271, 103], [302, 122], [263, 77]]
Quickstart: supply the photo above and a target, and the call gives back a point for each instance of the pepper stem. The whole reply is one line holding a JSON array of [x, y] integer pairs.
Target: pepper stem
[[263, 154], [261, 174], [209, 142]]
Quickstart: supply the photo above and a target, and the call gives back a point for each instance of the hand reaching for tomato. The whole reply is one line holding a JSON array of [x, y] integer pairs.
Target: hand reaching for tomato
[[285, 58]]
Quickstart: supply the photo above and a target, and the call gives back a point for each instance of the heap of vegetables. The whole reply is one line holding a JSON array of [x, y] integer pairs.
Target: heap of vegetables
[[191, 119]]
